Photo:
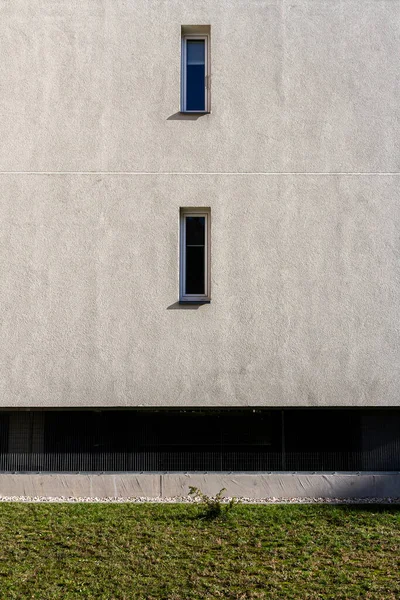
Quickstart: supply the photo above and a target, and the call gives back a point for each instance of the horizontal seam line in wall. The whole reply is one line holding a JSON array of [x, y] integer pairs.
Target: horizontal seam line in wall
[[268, 173]]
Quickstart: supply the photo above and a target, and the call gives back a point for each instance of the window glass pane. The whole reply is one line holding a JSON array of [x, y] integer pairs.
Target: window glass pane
[[195, 255], [195, 52], [195, 231], [195, 270], [195, 75]]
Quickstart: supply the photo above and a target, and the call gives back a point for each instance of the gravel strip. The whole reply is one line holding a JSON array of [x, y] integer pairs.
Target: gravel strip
[[189, 500]]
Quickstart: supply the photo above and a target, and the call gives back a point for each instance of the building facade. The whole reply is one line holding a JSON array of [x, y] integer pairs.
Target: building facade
[[288, 359]]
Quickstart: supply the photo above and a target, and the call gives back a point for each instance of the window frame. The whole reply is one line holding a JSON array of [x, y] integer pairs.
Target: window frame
[[194, 298], [185, 38]]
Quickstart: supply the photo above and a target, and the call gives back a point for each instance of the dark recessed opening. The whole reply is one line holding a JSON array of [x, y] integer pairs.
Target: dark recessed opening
[[200, 440]]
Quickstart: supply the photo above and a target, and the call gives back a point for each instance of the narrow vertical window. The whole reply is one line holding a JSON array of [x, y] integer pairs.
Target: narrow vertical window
[[195, 76], [195, 255]]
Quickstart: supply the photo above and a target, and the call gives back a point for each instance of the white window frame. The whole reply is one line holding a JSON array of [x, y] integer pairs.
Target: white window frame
[[183, 296], [185, 38]]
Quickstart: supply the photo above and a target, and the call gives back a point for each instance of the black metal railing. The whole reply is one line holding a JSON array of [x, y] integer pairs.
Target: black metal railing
[[203, 441]]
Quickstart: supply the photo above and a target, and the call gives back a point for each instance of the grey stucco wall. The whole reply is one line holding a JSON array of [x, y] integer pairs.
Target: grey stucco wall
[[305, 85], [299, 162]]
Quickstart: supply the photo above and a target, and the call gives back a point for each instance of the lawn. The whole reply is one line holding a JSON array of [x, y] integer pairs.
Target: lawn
[[121, 551]]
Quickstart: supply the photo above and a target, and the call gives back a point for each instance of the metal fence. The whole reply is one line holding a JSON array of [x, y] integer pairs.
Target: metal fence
[[204, 441]]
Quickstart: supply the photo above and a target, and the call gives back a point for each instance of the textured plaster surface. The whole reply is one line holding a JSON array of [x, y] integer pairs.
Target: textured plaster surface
[[305, 85], [305, 283], [305, 267], [175, 485]]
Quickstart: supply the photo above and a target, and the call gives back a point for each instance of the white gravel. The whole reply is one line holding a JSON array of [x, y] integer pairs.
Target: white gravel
[[189, 500]]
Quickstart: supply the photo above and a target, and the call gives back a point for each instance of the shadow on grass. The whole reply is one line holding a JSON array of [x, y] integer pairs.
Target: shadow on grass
[[370, 508]]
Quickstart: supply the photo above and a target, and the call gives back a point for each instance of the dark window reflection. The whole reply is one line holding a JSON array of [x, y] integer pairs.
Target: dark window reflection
[[195, 255], [195, 75], [195, 231]]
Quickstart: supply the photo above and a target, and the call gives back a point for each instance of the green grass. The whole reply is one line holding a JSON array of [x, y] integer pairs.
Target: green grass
[[166, 551]]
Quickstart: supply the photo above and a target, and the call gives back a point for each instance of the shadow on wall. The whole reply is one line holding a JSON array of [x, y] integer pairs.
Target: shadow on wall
[[180, 116], [179, 306], [335, 485], [363, 485]]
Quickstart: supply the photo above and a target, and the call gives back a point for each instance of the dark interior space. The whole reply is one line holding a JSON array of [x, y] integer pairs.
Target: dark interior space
[[200, 440]]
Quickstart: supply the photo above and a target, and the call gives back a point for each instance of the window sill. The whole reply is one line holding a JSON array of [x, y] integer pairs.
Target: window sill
[[194, 301], [195, 112]]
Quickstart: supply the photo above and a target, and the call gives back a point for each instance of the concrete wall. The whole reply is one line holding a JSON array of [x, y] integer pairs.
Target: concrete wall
[[170, 485], [299, 162]]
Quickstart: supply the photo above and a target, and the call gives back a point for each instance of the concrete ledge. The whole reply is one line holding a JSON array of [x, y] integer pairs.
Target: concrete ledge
[[288, 485], [168, 485], [80, 485]]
